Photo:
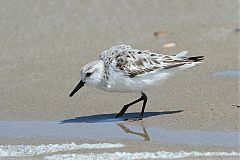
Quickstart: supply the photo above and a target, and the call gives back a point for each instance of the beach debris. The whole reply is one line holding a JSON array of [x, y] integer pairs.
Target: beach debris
[[169, 45], [237, 29], [234, 105], [159, 33]]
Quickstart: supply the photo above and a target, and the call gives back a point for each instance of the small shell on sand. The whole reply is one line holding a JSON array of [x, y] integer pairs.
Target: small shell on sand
[[159, 33], [169, 45]]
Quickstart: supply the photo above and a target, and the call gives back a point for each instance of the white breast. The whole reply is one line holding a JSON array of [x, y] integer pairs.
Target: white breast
[[118, 82]]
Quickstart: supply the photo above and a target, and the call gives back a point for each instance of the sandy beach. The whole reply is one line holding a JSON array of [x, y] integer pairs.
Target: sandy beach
[[44, 44]]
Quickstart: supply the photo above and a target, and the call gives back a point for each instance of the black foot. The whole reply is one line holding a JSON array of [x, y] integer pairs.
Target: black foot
[[118, 115], [125, 107], [133, 119]]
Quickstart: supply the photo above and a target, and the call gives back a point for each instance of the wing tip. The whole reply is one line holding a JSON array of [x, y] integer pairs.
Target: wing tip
[[196, 58], [182, 54]]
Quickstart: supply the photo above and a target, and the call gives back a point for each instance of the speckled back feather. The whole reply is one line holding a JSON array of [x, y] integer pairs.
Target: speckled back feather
[[134, 62]]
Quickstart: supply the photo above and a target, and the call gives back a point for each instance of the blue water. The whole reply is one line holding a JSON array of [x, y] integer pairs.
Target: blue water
[[229, 73], [112, 130]]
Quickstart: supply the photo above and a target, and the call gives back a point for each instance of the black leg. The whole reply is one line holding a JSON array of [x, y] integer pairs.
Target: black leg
[[125, 107], [144, 103]]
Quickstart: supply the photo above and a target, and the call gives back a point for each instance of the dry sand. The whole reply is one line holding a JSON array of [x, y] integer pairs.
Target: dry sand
[[43, 45]]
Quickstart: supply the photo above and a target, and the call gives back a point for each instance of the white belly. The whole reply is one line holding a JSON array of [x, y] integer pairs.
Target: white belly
[[120, 83]]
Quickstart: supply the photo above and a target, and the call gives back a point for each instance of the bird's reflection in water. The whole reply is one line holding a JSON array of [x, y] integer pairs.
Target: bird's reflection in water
[[127, 130]]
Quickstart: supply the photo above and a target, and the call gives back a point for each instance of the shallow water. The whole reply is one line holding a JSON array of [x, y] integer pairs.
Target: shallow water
[[228, 73], [32, 150], [110, 130], [50, 152], [140, 155]]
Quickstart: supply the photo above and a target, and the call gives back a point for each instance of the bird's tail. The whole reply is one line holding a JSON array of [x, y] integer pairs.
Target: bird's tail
[[196, 59], [183, 55], [189, 61]]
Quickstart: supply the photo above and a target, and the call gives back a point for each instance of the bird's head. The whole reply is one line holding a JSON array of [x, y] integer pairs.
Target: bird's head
[[91, 74]]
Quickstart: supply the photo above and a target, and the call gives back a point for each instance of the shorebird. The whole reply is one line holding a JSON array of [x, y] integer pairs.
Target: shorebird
[[124, 69]]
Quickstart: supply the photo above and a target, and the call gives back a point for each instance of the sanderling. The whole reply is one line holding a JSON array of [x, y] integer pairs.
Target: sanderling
[[123, 69]]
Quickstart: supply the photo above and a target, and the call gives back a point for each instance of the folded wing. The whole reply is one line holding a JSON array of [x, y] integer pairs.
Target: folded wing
[[133, 62]]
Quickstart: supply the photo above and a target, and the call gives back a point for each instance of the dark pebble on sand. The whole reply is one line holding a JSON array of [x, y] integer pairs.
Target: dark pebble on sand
[[237, 30], [159, 33], [238, 106]]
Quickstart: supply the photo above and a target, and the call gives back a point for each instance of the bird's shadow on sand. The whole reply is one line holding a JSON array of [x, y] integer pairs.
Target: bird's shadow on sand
[[112, 117]]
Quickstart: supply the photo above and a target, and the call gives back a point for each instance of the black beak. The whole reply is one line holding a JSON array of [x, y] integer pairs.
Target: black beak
[[80, 85]]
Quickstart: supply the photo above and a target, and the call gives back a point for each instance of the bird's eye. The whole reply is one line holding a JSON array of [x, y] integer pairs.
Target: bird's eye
[[88, 74]]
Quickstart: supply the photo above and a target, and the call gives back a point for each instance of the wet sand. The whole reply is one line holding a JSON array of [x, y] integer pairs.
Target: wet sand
[[44, 44]]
